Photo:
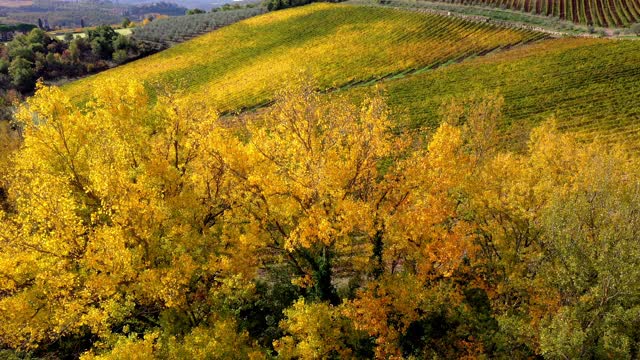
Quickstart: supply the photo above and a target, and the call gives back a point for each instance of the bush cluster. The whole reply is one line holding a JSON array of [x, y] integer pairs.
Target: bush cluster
[[37, 55]]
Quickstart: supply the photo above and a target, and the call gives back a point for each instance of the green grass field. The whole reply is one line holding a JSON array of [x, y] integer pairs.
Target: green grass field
[[240, 66]]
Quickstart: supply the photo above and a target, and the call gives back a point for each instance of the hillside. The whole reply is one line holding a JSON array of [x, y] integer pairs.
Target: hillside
[[591, 86], [241, 65]]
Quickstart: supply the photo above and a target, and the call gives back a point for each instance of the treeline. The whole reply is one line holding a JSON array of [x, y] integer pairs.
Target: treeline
[[311, 230], [178, 29], [162, 8], [7, 31], [273, 5], [37, 55]]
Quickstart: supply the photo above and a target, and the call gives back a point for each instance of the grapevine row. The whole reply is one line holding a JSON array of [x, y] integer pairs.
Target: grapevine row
[[604, 13]]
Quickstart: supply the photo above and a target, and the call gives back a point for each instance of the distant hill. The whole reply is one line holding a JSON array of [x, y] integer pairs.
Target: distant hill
[[162, 33], [200, 4], [71, 13], [15, 3]]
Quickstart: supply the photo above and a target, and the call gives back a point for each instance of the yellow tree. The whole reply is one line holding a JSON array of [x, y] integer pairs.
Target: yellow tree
[[553, 245], [115, 219], [310, 174], [425, 242], [327, 187]]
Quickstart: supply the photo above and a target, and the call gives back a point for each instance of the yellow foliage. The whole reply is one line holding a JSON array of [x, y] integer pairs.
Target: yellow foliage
[[222, 341], [123, 215], [314, 331], [115, 207], [129, 349]]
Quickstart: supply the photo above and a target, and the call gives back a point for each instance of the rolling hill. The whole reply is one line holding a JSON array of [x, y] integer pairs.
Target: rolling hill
[[590, 85], [240, 66]]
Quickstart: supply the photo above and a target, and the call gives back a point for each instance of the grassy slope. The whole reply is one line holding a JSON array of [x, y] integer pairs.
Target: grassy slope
[[243, 64], [591, 86]]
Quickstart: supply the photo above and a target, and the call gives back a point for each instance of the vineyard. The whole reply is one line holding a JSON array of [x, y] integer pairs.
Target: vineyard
[[167, 31], [241, 65], [590, 86], [604, 13]]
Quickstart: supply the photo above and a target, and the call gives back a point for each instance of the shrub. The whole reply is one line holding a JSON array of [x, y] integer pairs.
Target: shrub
[[120, 56]]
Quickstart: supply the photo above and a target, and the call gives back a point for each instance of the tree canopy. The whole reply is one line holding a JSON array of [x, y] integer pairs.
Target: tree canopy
[[310, 230]]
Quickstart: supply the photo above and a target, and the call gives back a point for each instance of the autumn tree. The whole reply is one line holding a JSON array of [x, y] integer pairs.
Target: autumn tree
[[590, 229], [113, 229], [133, 228], [309, 176]]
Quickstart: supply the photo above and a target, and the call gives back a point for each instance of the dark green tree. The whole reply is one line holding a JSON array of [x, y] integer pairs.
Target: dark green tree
[[22, 74], [195, 11], [101, 40]]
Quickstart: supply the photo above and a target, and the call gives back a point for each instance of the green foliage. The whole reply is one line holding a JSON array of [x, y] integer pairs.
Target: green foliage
[[635, 28], [52, 59], [22, 74], [38, 36], [120, 56], [102, 49], [274, 293], [126, 22], [195, 11], [76, 48], [102, 40], [24, 52], [4, 66], [594, 262], [273, 5], [122, 42]]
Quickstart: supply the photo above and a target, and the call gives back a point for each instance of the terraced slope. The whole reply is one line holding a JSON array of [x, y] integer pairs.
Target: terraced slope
[[591, 86], [243, 64], [605, 13]]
